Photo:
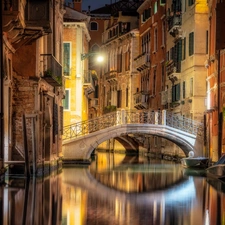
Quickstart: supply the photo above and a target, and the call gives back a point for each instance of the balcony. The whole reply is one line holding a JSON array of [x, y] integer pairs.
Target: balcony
[[142, 61], [173, 71], [111, 76], [141, 100], [94, 103], [13, 14], [25, 21], [88, 82], [174, 25], [52, 70]]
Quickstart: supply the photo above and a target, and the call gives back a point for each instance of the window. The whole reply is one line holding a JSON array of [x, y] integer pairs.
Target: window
[[184, 90], [207, 42], [127, 60], [163, 34], [155, 40], [184, 48], [191, 87], [145, 43], [119, 98], [175, 92], [163, 76], [119, 63], [66, 58], [146, 15], [154, 82], [191, 2], [184, 6], [155, 7], [127, 94], [162, 2], [94, 26], [66, 101], [191, 43]]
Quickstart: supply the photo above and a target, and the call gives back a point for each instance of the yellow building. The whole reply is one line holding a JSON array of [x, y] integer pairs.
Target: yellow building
[[78, 79]]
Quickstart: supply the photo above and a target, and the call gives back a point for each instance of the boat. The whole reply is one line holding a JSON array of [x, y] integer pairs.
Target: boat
[[217, 170], [195, 162]]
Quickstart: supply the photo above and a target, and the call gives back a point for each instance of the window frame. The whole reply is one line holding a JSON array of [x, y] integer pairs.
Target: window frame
[[67, 90], [67, 73]]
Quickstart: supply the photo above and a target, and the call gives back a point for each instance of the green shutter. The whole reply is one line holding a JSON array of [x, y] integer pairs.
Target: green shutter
[[66, 59], [191, 43], [177, 92], [179, 50], [173, 93], [184, 89]]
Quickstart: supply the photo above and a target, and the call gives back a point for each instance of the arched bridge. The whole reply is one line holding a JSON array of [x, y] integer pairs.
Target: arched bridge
[[80, 139]]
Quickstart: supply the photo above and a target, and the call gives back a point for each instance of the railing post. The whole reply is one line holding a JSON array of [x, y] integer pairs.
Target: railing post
[[123, 115], [156, 117], [163, 117]]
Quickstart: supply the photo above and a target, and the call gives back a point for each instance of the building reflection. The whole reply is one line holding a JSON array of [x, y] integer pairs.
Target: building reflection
[[36, 201], [145, 193]]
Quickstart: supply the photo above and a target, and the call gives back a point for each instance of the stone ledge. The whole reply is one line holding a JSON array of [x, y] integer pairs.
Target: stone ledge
[[76, 161]]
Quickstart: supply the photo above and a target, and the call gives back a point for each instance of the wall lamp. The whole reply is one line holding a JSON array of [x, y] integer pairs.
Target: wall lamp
[[99, 57]]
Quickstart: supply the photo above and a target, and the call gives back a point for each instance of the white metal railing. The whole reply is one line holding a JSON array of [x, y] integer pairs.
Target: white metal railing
[[133, 117]]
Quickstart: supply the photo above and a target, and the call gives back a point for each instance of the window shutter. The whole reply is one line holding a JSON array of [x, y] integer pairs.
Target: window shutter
[[191, 43], [177, 92]]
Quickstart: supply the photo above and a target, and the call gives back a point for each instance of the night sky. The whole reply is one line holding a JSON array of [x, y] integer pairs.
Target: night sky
[[95, 3]]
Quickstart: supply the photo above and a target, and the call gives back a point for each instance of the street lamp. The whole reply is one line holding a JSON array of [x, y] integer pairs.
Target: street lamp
[[99, 58]]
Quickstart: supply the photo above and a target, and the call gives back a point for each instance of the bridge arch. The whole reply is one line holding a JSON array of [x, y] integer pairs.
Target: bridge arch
[[82, 147], [86, 181]]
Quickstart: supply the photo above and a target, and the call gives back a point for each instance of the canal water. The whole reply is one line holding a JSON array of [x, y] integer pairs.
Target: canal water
[[116, 189]]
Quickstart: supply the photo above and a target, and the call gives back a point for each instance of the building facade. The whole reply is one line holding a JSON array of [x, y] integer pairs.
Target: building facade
[[119, 80], [214, 63], [78, 79], [33, 85], [150, 62]]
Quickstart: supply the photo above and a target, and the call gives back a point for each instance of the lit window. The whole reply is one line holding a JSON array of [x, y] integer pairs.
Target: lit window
[[155, 7]]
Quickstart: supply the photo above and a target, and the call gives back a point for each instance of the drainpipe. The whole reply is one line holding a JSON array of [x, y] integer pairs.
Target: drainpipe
[[220, 114]]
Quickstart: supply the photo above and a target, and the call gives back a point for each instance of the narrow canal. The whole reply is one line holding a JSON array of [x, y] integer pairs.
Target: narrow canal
[[116, 189]]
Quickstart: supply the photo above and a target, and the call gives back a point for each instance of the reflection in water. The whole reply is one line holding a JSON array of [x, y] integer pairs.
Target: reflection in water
[[114, 189]]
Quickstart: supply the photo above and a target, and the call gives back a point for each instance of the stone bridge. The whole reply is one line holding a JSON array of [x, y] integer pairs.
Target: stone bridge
[[80, 139]]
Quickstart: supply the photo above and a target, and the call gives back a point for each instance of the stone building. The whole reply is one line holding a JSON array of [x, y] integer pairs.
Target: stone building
[[119, 79], [215, 64], [33, 84], [96, 28], [186, 49], [78, 78], [150, 62]]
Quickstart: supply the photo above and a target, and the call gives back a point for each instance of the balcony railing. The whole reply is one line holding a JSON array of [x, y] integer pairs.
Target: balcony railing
[[94, 102], [174, 22], [13, 14], [52, 70], [142, 61], [88, 82], [173, 71], [111, 76], [25, 21], [141, 100]]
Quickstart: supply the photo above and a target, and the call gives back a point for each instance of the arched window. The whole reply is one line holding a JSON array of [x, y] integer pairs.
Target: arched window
[[95, 48], [94, 26]]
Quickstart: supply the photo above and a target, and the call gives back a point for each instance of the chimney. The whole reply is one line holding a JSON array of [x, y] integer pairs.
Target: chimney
[[77, 5]]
